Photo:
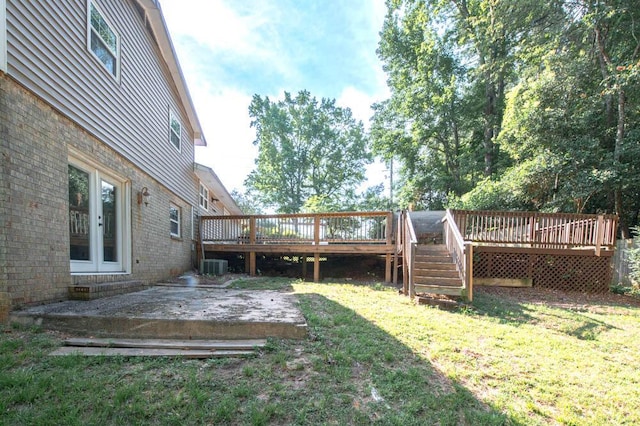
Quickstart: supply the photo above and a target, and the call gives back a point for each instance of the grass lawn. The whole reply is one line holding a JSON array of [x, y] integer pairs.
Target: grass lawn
[[372, 357]]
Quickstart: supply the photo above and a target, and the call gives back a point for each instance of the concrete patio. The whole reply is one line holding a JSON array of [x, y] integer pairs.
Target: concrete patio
[[174, 312]]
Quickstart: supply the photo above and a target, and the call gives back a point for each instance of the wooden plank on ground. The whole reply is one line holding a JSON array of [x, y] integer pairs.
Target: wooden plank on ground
[[90, 351], [245, 344], [504, 282]]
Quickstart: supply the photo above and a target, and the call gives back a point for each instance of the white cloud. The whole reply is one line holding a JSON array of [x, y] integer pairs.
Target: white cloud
[[360, 103], [231, 49], [245, 32], [230, 151]]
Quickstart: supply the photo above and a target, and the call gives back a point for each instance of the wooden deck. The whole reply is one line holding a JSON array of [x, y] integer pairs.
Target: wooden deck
[[556, 251], [368, 233], [567, 252]]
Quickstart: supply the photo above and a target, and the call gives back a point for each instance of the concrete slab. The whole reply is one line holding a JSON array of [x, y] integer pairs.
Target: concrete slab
[[180, 312]]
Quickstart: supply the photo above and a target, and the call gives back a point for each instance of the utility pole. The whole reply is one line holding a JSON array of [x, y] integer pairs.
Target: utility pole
[[391, 184]]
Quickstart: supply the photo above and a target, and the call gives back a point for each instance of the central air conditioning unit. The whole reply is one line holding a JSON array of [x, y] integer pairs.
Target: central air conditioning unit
[[213, 266]]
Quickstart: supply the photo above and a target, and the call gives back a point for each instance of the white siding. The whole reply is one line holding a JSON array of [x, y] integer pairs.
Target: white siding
[[3, 36]]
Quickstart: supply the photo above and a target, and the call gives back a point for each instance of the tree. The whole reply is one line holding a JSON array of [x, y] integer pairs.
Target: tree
[[579, 104], [514, 105], [310, 153], [449, 63], [246, 203]]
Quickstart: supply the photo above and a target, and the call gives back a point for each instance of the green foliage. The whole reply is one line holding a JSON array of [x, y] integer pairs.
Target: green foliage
[[518, 105], [246, 202], [449, 64], [311, 154]]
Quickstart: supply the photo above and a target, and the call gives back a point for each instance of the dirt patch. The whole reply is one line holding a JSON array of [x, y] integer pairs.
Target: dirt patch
[[556, 298]]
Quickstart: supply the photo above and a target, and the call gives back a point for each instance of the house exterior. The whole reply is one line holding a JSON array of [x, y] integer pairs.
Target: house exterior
[[97, 139], [213, 197]]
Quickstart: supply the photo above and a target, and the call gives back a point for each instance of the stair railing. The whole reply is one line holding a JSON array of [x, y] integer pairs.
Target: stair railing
[[409, 243], [461, 251]]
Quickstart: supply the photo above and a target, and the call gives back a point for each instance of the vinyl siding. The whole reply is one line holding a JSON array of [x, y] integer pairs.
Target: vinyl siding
[[47, 54]]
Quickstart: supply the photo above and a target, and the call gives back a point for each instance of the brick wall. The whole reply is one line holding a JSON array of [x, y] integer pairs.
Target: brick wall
[[36, 142]]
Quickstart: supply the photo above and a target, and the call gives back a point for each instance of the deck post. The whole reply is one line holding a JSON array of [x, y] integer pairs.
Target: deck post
[[316, 242], [252, 263], [252, 240], [316, 267], [599, 234], [395, 267], [387, 268], [304, 266], [468, 277]]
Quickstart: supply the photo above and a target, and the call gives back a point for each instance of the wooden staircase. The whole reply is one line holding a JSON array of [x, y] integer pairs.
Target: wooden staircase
[[435, 271]]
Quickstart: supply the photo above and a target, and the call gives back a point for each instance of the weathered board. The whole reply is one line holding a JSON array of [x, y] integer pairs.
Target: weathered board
[[148, 352], [504, 282], [205, 345]]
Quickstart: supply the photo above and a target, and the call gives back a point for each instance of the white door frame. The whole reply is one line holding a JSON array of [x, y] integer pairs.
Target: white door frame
[[122, 233]]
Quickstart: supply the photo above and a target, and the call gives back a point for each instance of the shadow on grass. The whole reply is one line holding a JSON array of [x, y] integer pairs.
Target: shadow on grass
[[348, 371], [363, 375], [571, 321]]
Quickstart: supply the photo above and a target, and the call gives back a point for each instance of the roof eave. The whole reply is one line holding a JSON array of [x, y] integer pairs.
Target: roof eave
[[213, 182]]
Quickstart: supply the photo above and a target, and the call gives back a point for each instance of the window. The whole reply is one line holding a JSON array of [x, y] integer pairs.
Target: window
[[103, 40], [204, 197], [175, 130], [174, 218]]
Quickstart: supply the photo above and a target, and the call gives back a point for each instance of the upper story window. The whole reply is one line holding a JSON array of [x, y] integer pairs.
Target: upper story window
[[103, 40], [175, 130], [204, 197]]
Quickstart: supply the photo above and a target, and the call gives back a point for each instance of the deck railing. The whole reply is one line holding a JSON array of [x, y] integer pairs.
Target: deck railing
[[533, 229], [314, 228], [461, 251], [407, 235]]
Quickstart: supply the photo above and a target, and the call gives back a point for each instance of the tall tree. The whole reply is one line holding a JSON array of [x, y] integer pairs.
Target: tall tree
[[450, 63], [579, 104], [310, 153]]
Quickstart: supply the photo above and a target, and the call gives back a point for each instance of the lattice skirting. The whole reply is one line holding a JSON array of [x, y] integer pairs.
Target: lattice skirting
[[567, 272]]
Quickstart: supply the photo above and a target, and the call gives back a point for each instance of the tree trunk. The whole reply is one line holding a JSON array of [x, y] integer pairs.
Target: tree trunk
[[489, 118], [624, 226]]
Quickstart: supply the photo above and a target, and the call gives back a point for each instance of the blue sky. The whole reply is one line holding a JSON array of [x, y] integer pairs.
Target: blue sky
[[230, 50]]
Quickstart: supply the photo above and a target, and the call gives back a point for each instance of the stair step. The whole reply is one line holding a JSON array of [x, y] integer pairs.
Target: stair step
[[432, 248], [435, 266], [100, 290], [435, 289], [438, 281], [434, 259], [437, 273]]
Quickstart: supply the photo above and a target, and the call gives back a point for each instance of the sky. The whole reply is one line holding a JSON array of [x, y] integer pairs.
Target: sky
[[230, 50]]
